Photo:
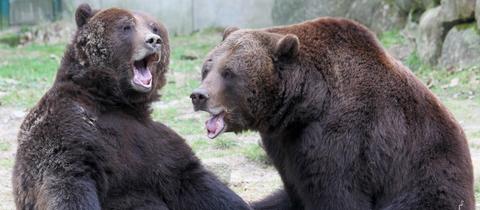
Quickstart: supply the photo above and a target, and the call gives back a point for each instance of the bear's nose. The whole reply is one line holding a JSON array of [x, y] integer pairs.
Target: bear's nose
[[153, 41], [199, 97]]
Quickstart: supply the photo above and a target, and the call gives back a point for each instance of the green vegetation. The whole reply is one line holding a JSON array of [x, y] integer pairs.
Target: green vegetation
[[224, 143], [4, 146], [6, 162], [390, 38], [466, 26], [459, 84], [27, 72], [11, 40], [255, 153]]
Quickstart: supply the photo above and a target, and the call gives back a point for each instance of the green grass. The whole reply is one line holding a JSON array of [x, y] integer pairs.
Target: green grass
[[26, 73], [4, 146], [225, 143], [196, 45], [11, 40], [255, 153], [436, 78], [391, 38], [6, 163]]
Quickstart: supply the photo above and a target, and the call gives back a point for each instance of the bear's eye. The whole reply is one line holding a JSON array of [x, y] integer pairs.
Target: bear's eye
[[227, 73], [204, 72], [127, 28], [155, 29]]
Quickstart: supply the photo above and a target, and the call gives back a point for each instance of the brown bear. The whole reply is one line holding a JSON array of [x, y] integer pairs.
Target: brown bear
[[346, 125], [90, 142]]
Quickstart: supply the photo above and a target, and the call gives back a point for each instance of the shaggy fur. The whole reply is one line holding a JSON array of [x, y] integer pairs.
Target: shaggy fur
[[345, 124], [90, 142]]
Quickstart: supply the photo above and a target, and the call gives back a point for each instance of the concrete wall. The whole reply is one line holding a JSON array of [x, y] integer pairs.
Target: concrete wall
[[186, 16], [240, 13], [30, 12]]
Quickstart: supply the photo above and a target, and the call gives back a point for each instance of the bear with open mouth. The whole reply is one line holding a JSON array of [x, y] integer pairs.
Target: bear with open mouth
[[346, 125], [90, 142]]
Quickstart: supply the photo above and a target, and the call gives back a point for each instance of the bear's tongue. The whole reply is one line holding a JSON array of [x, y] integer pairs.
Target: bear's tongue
[[215, 125], [141, 74]]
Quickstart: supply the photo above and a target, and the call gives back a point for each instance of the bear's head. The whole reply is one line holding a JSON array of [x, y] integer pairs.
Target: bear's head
[[240, 79], [120, 54]]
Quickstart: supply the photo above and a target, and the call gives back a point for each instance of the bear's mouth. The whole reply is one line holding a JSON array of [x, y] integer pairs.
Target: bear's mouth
[[142, 76], [215, 125]]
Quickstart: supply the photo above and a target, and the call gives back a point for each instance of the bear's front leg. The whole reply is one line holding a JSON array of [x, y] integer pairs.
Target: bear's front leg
[[279, 200], [65, 193], [198, 189]]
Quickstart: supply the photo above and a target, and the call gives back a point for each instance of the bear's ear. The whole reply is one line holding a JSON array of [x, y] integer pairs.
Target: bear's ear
[[83, 14], [287, 47], [228, 31]]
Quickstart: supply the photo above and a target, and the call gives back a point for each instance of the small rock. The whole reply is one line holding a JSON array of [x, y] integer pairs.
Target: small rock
[[401, 51], [378, 15], [477, 12], [454, 82], [453, 10], [461, 48], [412, 5], [429, 38]]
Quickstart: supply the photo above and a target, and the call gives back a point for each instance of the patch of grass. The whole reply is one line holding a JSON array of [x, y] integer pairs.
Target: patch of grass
[[391, 38], [11, 40], [224, 143], [170, 117], [255, 153], [199, 145], [475, 134], [414, 62], [173, 90], [198, 44], [184, 75], [462, 84], [6, 163], [4, 146], [27, 72], [465, 26], [477, 190], [30, 70]]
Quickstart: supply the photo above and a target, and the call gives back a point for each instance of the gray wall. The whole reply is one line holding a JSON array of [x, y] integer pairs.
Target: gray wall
[[186, 16], [30, 12]]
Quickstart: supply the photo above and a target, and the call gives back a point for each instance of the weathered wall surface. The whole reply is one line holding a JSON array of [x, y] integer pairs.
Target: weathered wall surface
[[435, 27], [186, 16]]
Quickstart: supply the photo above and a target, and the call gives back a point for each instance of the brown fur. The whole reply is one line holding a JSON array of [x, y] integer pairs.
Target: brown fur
[[346, 125], [90, 142]]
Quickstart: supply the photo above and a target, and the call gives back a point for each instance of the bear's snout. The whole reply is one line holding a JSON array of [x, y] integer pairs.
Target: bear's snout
[[153, 42], [199, 98]]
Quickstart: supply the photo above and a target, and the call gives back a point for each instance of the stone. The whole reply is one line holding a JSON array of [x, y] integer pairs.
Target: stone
[[288, 11], [378, 15], [456, 10], [461, 48], [477, 12], [430, 35], [410, 5], [401, 51]]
